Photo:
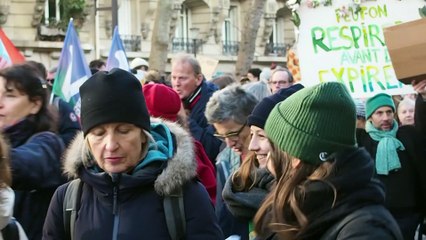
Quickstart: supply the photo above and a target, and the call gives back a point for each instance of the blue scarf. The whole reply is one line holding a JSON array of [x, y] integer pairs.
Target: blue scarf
[[387, 156]]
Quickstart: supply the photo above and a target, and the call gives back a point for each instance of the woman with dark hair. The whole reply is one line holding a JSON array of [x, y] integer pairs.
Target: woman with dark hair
[[326, 186], [28, 123]]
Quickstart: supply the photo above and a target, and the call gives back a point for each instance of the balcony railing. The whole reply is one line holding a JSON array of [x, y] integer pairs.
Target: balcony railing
[[230, 48], [275, 49], [185, 45], [132, 43]]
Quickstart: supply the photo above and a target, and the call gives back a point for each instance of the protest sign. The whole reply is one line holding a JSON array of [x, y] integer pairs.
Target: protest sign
[[344, 42]]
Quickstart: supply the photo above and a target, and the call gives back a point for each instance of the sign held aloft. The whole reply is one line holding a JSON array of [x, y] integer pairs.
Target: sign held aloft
[[406, 43], [345, 43]]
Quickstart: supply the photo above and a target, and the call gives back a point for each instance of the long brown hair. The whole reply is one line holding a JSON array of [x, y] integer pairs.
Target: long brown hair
[[5, 175], [242, 179], [287, 196]]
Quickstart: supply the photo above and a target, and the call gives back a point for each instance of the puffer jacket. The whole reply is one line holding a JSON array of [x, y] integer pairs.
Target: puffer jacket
[[136, 211], [36, 173]]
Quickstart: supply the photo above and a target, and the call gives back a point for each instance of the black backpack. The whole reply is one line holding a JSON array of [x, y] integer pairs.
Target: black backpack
[[173, 210], [11, 231]]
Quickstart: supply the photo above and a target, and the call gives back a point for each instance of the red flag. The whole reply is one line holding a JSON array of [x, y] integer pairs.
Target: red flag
[[11, 51]]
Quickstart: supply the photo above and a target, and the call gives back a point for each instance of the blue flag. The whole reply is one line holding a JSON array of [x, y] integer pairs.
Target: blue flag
[[72, 71], [117, 55]]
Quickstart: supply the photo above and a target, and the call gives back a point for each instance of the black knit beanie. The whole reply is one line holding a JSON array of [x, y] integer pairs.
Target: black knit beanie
[[115, 96], [261, 112]]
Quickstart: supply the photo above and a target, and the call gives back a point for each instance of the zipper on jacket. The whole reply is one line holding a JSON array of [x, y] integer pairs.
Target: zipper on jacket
[[115, 177]]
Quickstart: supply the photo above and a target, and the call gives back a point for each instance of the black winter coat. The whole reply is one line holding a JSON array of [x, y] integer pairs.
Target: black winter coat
[[356, 188], [406, 187], [139, 203]]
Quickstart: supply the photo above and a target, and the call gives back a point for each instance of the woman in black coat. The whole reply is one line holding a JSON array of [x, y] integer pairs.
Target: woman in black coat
[[127, 165], [326, 187]]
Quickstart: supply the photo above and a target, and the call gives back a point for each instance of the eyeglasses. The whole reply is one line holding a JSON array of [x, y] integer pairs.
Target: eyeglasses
[[280, 82], [232, 135]]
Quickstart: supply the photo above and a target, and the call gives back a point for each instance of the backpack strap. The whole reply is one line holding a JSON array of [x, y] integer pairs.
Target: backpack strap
[[11, 231], [175, 214], [71, 206]]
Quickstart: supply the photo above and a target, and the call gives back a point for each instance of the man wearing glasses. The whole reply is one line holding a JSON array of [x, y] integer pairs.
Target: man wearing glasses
[[280, 78], [228, 110]]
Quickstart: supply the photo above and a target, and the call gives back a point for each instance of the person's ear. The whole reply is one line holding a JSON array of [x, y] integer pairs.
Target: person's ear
[[36, 106], [295, 163], [199, 79]]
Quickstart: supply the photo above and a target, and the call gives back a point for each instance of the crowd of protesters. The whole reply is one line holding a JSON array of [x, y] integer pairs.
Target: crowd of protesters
[[185, 157]]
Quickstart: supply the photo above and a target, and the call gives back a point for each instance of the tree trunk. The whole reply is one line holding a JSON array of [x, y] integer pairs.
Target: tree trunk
[[160, 36], [247, 45]]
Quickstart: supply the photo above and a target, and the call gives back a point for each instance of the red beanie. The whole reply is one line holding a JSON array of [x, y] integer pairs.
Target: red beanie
[[161, 101]]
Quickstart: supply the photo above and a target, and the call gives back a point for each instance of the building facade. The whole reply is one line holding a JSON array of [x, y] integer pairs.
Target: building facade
[[210, 28]]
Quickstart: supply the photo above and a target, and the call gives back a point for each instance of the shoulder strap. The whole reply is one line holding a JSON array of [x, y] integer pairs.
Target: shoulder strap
[[70, 206], [11, 231], [175, 214]]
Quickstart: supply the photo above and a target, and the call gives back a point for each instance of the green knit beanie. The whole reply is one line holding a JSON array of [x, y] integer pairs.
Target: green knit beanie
[[314, 122], [378, 101]]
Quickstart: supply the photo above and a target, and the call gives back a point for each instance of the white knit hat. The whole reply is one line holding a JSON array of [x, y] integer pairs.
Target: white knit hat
[[137, 62]]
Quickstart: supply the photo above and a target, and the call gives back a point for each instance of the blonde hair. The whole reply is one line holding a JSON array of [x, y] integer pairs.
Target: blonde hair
[[5, 174]]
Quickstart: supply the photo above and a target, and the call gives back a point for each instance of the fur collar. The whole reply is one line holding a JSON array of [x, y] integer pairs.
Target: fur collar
[[180, 169]]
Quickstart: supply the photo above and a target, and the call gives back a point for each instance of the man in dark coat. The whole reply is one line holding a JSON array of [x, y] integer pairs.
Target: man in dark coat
[[399, 156], [188, 81]]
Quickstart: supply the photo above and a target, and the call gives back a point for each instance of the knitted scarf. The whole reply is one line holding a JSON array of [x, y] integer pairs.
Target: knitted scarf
[[387, 156]]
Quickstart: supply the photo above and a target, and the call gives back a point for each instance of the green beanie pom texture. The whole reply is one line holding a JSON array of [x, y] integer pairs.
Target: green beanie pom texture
[[314, 122], [378, 101]]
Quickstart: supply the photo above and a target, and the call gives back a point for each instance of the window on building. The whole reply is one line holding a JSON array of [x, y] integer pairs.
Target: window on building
[[52, 12], [131, 42], [181, 40], [230, 32], [124, 17], [276, 45]]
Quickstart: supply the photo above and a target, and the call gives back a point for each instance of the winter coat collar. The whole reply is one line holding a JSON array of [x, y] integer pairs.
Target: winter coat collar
[[178, 169], [19, 132]]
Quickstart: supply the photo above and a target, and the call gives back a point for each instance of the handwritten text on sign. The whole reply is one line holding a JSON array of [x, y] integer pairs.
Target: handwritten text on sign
[[351, 48]]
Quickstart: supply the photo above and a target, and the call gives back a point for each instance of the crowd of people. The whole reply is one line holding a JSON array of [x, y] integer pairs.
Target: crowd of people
[[185, 157]]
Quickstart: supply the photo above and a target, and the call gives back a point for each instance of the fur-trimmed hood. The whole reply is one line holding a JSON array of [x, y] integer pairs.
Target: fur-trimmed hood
[[180, 168]]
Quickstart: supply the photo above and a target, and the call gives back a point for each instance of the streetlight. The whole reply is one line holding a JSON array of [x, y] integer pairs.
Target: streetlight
[[194, 34]]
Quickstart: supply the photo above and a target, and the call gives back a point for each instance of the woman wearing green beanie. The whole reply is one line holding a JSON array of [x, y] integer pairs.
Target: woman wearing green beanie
[[247, 187], [326, 187]]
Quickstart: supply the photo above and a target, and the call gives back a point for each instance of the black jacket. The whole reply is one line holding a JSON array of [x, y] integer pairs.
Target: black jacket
[[356, 188], [139, 204], [405, 188], [370, 222]]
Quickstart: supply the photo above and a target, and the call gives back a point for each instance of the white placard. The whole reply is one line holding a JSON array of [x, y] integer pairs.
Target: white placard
[[350, 48]]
